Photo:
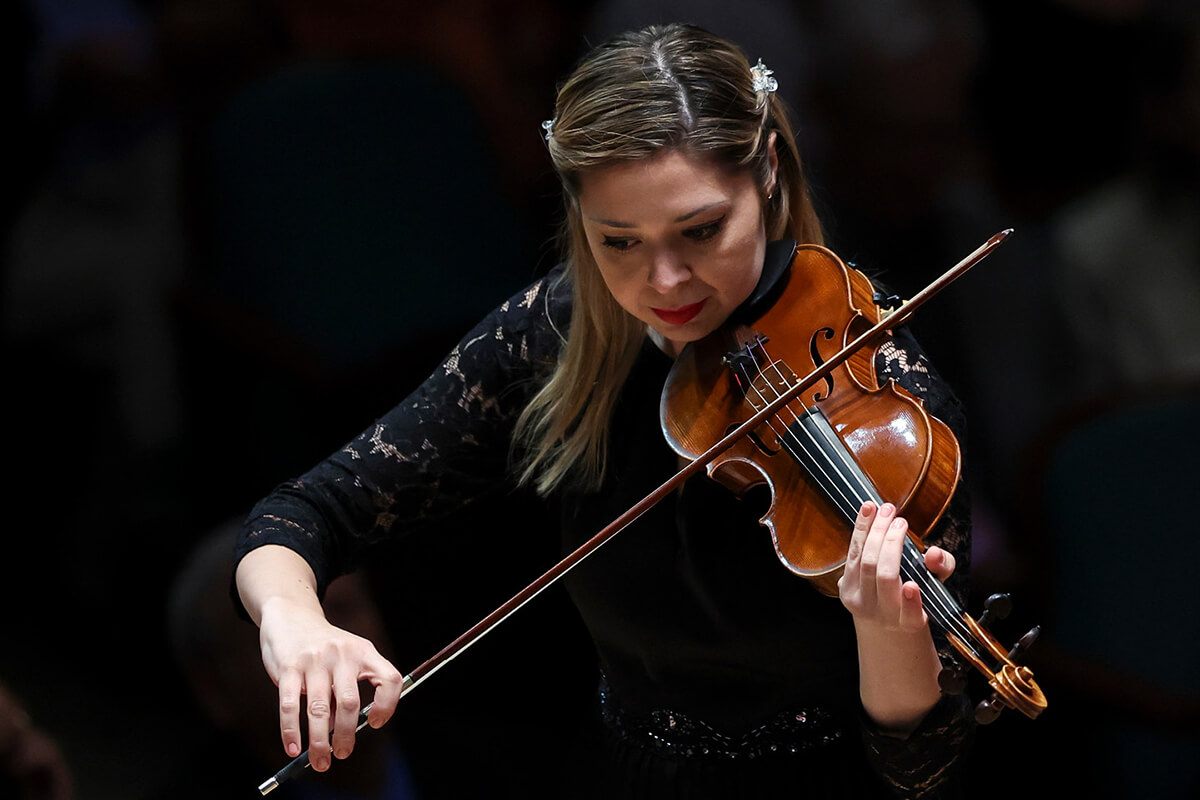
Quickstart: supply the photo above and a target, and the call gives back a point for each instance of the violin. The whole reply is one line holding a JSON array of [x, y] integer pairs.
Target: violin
[[785, 394], [826, 443]]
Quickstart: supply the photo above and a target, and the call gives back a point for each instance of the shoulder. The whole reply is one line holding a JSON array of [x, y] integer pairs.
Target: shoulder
[[524, 332], [543, 304]]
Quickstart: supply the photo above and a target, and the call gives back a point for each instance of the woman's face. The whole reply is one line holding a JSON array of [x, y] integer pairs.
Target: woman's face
[[679, 240]]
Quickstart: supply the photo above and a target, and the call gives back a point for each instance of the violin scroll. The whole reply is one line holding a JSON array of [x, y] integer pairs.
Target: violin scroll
[[1012, 684]]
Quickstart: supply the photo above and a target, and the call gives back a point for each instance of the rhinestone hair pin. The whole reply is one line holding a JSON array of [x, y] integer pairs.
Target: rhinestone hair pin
[[548, 127], [761, 78]]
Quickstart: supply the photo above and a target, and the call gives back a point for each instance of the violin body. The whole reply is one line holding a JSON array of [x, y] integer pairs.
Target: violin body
[[912, 458]]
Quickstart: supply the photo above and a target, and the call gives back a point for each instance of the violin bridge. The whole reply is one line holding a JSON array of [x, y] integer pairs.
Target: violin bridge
[[766, 383]]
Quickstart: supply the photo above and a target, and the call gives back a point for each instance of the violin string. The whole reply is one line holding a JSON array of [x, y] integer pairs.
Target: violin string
[[940, 604], [836, 495], [848, 505], [844, 502]]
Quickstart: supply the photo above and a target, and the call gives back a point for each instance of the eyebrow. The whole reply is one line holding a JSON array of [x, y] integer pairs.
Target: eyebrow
[[682, 218]]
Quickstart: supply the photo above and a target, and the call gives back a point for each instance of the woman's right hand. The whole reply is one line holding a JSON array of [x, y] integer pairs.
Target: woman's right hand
[[316, 665]]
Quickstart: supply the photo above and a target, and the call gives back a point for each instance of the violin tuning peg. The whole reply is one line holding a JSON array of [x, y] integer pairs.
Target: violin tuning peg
[[997, 606], [1024, 643], [988, 711], [952, 680]]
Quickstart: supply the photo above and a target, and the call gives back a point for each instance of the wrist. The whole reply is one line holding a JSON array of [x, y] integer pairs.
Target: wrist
[[898, 671], [290, 605], [873, 628], [273, 576]]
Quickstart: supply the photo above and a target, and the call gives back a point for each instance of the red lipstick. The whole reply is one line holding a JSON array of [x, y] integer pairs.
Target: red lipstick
[[681, 315]]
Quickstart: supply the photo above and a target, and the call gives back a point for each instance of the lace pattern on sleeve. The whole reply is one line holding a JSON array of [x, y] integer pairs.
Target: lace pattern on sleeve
[[924, 766], [443, 446]]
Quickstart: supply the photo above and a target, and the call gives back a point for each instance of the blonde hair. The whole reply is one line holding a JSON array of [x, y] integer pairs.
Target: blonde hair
[[662, 87]]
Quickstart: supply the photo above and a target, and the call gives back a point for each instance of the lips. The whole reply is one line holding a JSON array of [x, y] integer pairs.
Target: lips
[[681, 315]]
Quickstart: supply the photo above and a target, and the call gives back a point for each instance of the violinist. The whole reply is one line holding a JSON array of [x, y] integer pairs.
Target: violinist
[[720, 673]]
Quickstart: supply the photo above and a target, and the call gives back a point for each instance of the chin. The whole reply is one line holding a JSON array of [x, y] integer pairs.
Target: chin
[[684, 335]]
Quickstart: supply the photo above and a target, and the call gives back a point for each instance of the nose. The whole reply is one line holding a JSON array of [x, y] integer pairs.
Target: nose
[[667, 270]]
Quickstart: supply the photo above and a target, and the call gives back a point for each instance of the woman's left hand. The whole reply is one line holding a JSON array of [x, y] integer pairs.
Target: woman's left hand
[[898, 663], [872, 587]]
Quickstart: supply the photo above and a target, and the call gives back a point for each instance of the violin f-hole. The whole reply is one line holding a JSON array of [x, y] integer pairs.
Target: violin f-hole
[[814, 350]]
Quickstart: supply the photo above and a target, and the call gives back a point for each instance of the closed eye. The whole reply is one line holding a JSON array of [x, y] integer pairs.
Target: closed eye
[[702, 233], [618, 243]]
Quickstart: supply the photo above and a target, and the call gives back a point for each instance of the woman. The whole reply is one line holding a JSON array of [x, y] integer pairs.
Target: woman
[[722, 674]]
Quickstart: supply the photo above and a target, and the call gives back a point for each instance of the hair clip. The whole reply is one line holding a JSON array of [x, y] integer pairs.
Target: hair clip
[[761, 78], [548, 127]]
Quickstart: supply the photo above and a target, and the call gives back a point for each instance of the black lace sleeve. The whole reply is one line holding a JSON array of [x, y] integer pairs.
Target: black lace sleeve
[[445, 445], [927, 763]]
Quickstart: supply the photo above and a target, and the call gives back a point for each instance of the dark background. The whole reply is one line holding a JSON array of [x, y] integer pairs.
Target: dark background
[[236, 231]]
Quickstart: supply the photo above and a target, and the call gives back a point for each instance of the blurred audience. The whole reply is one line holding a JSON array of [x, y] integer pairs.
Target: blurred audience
[[32, 766], [130, 220], [1129, 278], [1119, 456]]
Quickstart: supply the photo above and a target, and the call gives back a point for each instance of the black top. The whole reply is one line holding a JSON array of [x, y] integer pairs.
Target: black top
[[693, 616]]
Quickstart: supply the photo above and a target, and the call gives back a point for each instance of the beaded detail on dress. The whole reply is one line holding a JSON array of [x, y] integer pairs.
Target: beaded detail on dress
[[674, 734]]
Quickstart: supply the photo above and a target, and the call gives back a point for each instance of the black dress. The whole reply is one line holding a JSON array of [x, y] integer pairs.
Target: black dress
[[721, 673]]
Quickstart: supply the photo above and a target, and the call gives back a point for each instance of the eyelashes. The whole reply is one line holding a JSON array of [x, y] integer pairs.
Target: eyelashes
[[705, 232], [699, 233], [618, 244]]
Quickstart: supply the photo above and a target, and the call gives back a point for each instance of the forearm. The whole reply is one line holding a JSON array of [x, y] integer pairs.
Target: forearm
[[273, 573], [898, 672]]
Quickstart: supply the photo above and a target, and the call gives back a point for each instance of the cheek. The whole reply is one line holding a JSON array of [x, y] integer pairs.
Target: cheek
[[626, 294], [612, 274], [617, 283], [744, 270], [750, 278]]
